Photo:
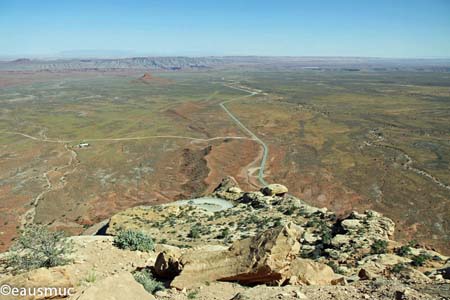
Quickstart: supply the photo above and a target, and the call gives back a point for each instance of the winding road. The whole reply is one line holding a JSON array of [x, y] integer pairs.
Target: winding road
[[248, 131]]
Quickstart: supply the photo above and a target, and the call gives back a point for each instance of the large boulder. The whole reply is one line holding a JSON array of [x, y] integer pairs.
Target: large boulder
[[168, 264], [268, 258], [274, 189], [309, 272], [228, 189], [226, 184], [117, 287]]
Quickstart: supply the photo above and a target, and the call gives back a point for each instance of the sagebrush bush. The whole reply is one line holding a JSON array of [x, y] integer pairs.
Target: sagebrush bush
[[225, 233], [419, 260], [194, 233], [379, 247], [149, 283], [397, 268], [37, 247], [404, 251], [134, 240]]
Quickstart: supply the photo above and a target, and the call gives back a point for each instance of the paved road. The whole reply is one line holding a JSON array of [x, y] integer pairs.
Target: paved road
[[248, 131]]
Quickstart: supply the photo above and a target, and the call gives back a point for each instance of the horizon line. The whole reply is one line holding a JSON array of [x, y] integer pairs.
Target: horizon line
[[11, 58]]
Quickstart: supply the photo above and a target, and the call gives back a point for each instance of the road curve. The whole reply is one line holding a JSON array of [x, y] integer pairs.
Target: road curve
[[248, 131]]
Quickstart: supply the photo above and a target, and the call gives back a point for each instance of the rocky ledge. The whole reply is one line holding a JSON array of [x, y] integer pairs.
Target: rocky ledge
[[268, 245]]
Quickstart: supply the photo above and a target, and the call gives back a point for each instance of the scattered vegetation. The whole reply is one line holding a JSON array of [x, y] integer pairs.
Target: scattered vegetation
[[149, 283], [194, 233], [91, 277], [326, 234], [134, 240], [397, 268], [38, 247], [419, 260], [379, 247], [403, 250], [192, 295], [225, 233]]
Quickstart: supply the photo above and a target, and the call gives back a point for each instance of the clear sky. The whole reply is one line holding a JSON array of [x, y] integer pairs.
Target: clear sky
[[381, 28]]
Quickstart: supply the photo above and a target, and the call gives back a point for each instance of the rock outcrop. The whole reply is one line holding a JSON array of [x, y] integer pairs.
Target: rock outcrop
[[274, 189], [228, 189], [271, 257], [266, 245], [117, 287]]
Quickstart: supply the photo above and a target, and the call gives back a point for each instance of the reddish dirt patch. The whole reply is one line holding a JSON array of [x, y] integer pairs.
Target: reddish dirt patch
[[11, 208], [232, 157], [316, 186]]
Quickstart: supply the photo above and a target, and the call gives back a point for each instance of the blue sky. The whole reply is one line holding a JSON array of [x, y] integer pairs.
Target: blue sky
[[377, 28]]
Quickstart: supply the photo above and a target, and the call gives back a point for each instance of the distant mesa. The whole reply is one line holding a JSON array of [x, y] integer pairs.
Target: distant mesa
[[22, 60]]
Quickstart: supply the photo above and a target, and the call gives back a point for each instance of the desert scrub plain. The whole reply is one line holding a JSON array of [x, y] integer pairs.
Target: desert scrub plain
[[345, 140]]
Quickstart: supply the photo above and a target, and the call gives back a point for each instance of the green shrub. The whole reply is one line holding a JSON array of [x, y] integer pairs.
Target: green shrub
[[224, 234], [397, 268], [194, 233], [149, 283], [38, 247], [419, 260], [277, 223], [134, 240], [412, 243], [290, 210], [326, 234], [378, 247], [404, 251], [91, 277], [192, 295]]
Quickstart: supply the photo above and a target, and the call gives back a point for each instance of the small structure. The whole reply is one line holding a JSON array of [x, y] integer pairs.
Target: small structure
[[83, 145]]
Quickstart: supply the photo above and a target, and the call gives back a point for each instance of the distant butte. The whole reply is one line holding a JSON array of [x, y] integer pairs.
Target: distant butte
[[147, 77]]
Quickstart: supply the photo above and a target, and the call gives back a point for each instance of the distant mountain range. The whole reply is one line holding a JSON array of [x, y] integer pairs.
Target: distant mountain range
[[194, 63]]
